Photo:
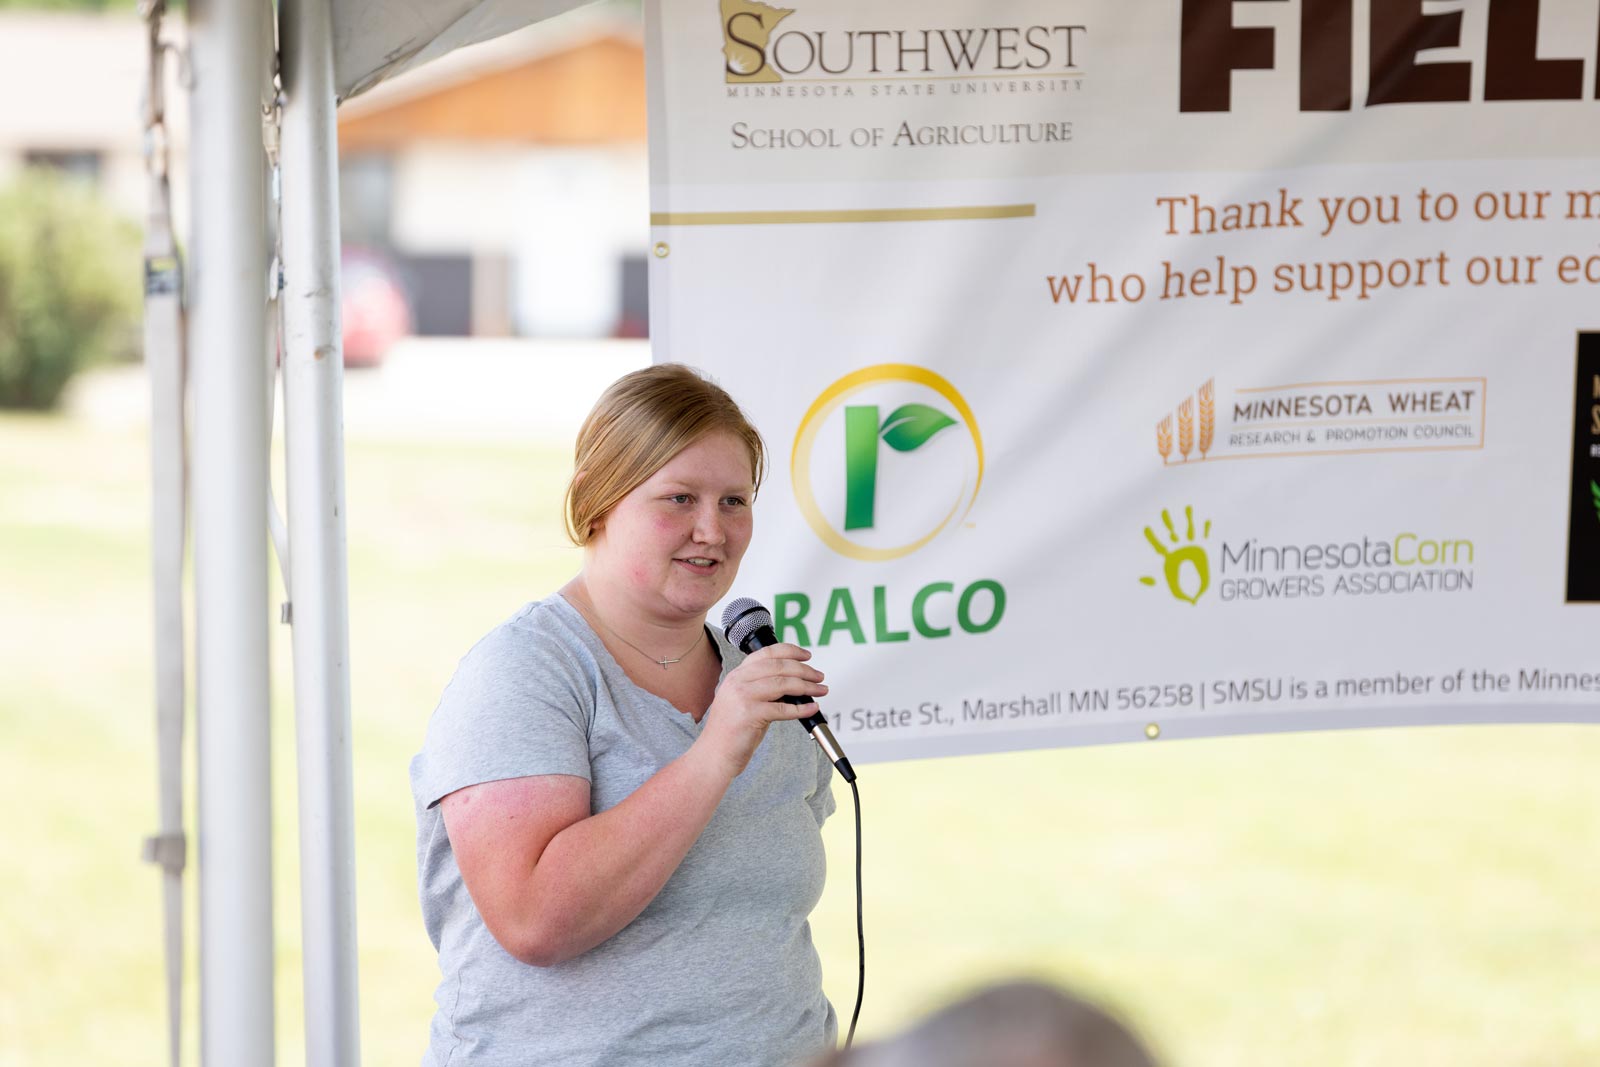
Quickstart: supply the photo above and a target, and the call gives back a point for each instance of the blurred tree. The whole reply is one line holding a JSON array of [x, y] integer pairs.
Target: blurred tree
[[69, 286]]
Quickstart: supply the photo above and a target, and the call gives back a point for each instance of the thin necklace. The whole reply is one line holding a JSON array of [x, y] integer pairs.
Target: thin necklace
[[665, 662]]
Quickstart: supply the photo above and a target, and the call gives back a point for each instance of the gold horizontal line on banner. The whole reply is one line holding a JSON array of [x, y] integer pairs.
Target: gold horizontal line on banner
[[1036, 76], [881, 214]]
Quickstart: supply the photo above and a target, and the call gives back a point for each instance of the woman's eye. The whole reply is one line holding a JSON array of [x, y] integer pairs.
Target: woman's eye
[[680, 498], [735, 501]]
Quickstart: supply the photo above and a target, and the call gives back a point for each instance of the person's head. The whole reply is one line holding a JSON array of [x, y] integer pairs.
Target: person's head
[[667, 463], [1016, 1024]]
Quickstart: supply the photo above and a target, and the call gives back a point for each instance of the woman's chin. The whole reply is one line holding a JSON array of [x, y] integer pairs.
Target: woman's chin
[[701, 595]]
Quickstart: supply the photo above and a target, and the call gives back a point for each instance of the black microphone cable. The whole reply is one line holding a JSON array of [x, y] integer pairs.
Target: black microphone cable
[[861, 930], [748, 626]]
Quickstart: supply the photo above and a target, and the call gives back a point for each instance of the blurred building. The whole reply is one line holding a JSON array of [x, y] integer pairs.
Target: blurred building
[[505, 184], [509, 182], [73, 86]]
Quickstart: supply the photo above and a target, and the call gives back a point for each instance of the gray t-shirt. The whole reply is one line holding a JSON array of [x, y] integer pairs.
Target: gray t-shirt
[[719, 968]]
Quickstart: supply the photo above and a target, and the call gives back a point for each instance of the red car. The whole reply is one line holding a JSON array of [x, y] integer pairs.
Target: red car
[[375, 309]]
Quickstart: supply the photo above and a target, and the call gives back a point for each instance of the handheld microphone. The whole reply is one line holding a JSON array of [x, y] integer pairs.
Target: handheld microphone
[[748, 627]]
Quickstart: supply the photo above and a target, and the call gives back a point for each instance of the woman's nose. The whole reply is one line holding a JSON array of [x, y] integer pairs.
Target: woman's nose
[[708, 525]]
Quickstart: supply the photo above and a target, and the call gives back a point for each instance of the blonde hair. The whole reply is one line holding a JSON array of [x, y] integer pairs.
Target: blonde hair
[[639, 423]]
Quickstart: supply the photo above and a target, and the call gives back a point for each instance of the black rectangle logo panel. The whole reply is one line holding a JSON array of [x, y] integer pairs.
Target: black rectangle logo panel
[[1583, 534]]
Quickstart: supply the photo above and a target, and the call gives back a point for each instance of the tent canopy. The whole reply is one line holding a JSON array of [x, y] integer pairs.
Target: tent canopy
[[375, 39]]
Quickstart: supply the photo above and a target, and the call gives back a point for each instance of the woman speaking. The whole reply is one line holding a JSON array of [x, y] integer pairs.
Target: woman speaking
[[616, 856]]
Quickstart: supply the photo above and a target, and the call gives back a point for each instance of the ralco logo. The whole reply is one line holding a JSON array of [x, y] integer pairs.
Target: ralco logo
[[884, 507], [886, 459]]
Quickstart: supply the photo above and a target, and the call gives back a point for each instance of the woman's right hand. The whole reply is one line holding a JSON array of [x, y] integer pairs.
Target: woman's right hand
[[750, 699]]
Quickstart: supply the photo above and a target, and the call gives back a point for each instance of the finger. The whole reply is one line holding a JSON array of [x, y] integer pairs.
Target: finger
[[776, 658], [789, 669], [777, 687], [781, 651], [767, 688], [760, 665], [780, 710]]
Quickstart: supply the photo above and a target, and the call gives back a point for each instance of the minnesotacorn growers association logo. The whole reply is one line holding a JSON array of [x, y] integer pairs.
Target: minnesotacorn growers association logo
[[882, 475], [1186, 566]]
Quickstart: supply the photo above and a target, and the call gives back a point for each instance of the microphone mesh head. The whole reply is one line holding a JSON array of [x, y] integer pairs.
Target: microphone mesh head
[[743, 617]]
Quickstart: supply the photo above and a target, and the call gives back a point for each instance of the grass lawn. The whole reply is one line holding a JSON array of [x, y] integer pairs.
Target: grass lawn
[[1405, 897]]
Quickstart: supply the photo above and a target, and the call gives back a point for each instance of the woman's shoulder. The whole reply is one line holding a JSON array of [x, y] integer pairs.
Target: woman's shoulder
[[543, 636], [537, 654], [518, 705]]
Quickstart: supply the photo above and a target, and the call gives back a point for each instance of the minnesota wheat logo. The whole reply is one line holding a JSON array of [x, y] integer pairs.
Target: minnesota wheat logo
[[1186, 425], [1188, 553], [878, 486], [747, 27]]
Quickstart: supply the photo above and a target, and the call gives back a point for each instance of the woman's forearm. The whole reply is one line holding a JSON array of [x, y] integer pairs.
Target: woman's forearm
[[557, 896], [597, 875]]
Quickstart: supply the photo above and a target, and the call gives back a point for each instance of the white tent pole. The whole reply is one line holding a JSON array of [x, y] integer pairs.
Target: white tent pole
[[319, 603], [229, 48]]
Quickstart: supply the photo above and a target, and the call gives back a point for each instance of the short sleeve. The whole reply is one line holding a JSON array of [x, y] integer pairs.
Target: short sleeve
[[821, 801], [517, 706]]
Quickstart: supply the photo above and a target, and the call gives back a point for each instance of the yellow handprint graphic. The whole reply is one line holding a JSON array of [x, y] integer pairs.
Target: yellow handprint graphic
[[1174, 558]]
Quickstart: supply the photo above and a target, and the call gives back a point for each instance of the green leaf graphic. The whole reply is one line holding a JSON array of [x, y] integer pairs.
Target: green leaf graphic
[[1594, 487], [911, 425]]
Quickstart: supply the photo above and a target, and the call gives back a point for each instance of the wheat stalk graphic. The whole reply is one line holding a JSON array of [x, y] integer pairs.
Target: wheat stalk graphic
[[1164, 438], [1208, 416], [1186, 427]]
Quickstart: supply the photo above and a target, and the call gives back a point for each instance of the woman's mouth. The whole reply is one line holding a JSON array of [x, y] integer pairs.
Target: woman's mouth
[[699, 564]]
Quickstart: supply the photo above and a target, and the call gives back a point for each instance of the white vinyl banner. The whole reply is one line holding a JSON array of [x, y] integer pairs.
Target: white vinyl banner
[[1150, 369]]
